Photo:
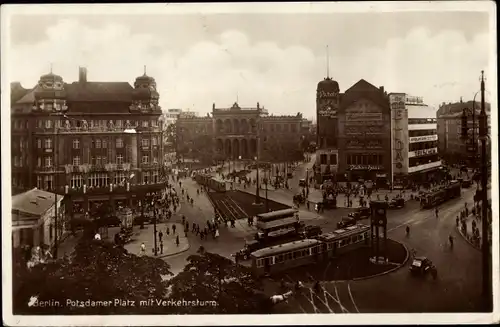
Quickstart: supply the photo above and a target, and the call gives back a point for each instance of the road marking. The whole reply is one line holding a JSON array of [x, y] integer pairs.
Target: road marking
[[352, 298]]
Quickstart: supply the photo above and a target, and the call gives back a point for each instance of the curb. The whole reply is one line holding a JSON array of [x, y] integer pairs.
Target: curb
[[382, 273], [171, 255], [467, 239]]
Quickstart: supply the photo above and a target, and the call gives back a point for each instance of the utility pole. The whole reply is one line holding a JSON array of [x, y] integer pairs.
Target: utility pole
[[257, 196], [154, 226], [55, 190], [483, 134]]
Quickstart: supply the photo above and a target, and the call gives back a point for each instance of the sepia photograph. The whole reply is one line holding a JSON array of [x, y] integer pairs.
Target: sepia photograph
[[250, 163]]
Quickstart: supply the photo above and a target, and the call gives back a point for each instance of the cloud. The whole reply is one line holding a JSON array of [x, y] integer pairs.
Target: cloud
[[439, 67]]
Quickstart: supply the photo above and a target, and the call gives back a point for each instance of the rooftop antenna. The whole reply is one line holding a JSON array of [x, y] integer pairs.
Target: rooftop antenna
[[51, 68], [237, 97], [327, 62], [461, 100], [144, 70]]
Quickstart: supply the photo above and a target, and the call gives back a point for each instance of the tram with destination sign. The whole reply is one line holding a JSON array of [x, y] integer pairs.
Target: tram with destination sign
[[210, 182], [280, 257]]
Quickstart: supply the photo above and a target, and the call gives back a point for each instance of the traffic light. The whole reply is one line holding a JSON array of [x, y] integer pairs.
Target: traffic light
[[464, 128]]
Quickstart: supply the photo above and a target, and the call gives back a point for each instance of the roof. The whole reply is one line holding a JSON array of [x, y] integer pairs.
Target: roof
[[17, 91], [328, 85], [363, 89], [345, 232], [277, 213], [286, 247], [421, 111], [35, 202], [99, 91]]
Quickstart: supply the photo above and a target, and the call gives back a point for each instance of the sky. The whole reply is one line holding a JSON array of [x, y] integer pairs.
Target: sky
[[272, 58]]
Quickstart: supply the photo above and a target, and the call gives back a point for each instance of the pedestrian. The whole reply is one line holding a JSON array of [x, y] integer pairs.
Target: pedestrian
[[185, 232], [161, 246], [143, 249], [160, 235], [232, 223], [187, 225], [168, 230], [216, 233], [193, 228], [174, 227], [177, 240]]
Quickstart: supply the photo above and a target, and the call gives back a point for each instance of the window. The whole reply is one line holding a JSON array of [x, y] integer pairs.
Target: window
[[118, 123], [76, 181], [98, 180], [104, 144], [39, 182], [48, 143], [145, 159], [294, 128], [155, 177], [98, 144], [119, 178], [48, 124], [145, 177], [39, 162], [119, 143], [16, 161], [48, 181], [48, 161], [322, 159], [155, 160], [145, 142], [76, 161], [76, 144], [40, 123], [39, 143], [154, 141], [154, 123], [119, 159], [333, 159], [145, 123]]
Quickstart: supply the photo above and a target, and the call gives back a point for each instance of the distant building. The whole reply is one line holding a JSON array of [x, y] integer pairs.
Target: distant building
[[33, 218], [451, 146], [414, 140], [233, 133], [171, 116]]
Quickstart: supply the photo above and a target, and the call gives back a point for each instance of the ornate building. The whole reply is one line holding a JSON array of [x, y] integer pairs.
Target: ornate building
[[94, 142], [236, 132]]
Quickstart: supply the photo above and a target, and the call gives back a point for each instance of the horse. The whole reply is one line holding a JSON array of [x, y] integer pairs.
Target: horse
[[278, 298]]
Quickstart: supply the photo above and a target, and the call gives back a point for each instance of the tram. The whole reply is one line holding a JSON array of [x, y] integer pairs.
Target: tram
[[210, 182], [293, 254], [278, 214], [432, 199]]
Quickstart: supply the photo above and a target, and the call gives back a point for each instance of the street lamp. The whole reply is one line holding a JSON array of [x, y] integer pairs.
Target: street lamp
[[483, 136], [465, 128]]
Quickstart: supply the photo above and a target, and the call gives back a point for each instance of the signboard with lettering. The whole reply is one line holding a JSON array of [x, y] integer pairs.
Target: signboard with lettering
[[414, 100], [423, 152], [397, 101], [327, 108], [424, 138], [363, 116], [365, 167], [325, 94]]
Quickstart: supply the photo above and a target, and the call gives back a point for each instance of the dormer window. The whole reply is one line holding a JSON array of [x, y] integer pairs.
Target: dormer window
[[48, 84]]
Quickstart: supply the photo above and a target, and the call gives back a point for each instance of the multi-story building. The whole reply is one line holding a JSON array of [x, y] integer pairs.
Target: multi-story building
[[234, 133], [451, 146], [171, 116], [94, 142], [414, 140]]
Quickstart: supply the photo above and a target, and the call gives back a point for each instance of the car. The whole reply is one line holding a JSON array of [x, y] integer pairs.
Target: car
[[346, 222], [420, 266], [141, 220], [302, 182], [360, 213], [109, 221], [311, 231], [397, 203]]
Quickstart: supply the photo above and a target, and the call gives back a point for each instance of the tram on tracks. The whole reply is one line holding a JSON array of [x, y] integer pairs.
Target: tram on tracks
[[210, 182], [307, 251], [434, 198], [278, 214]]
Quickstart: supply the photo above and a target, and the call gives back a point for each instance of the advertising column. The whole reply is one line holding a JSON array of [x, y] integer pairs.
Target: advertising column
[[399, 133]]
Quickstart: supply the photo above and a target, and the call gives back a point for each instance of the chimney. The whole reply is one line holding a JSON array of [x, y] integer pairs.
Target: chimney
[[82, 76], [213, 106], [258, 105], [381, 88]]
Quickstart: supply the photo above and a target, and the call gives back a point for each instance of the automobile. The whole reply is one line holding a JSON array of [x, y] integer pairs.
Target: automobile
[[141, 220], [250, 246], [302, 182], [109, 221], [346, 222], [397, 203], [421, 266], [360, 213], [311, 231]]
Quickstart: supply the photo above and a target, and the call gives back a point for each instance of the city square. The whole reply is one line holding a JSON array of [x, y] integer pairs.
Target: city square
[[128, 199]]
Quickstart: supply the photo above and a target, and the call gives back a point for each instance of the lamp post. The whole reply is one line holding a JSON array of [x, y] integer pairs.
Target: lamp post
[[257, 195], [154, 227], [483, 135], [465, 136]]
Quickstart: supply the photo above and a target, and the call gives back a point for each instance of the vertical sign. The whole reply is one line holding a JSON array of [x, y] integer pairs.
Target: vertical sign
[[399, 134]]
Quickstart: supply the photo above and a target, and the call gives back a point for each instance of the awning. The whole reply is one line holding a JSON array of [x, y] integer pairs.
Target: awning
[[425, 170]]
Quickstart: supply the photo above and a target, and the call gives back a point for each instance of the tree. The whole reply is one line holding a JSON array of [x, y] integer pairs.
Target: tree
[[211, 277], [97, 271]]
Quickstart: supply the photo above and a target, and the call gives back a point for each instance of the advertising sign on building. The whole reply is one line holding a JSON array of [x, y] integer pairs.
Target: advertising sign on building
[[399, 134], [365, 167], [424, 138], [423, 152]]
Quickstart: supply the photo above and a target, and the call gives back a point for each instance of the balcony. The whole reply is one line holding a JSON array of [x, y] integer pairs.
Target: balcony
[[77, 168]]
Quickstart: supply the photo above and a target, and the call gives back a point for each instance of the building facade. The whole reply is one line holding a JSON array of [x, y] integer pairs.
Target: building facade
[[95, 142], [451, 146], [365, 134], [171, 116], [237, 133], [33, 218], [414, 140]]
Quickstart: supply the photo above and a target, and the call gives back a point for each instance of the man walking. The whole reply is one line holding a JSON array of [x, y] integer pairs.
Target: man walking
[[177, 240]]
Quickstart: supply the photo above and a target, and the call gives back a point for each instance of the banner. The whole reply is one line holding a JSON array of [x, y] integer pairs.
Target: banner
[[425, 138]]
